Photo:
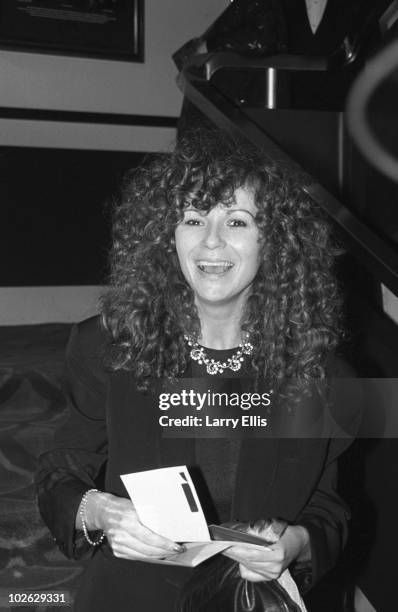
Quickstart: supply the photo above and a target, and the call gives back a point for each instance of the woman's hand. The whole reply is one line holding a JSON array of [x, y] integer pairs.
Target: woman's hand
[[127, 536], [269, 563]]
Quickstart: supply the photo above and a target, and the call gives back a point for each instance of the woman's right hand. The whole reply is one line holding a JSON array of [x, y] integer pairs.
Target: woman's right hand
[[127, 536]]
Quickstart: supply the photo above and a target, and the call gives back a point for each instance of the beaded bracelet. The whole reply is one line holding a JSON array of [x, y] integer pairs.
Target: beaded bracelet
[[82, 513]]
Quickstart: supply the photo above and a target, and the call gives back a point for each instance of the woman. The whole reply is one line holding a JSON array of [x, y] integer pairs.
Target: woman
[[221, 268]]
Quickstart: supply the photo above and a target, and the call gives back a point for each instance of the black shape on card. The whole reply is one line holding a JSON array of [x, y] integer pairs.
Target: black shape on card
[[188, 494]]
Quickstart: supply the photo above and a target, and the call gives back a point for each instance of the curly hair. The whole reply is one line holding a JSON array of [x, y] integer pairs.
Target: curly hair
[[293, 310]]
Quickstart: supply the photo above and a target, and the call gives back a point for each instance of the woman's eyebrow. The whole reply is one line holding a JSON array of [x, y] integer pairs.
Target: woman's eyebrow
[[193, 209], [230, 211]]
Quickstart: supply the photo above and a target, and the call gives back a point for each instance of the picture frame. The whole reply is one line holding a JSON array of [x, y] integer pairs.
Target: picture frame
[[101, 29]]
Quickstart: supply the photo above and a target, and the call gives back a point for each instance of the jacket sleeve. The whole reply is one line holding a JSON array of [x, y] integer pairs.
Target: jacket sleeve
[[326, 518], [78, 456]]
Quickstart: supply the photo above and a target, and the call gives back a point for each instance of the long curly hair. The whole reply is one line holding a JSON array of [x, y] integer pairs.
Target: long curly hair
[[293, 310]]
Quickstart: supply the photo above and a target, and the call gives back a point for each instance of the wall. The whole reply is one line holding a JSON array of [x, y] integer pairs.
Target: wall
[[68, 83], [31, 305], [50, 82]]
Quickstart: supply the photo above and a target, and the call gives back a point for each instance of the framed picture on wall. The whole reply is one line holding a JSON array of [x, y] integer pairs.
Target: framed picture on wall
[[105, 29]]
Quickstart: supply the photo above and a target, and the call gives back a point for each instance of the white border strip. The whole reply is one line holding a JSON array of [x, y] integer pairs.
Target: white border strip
[[32, 305], [362, 603], [390, 303]]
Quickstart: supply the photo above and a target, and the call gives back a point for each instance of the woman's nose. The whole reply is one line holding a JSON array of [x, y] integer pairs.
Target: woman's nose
[[213, 237]]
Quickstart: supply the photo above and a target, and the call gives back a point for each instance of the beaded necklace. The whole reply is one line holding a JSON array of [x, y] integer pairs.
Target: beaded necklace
[[233, 363]]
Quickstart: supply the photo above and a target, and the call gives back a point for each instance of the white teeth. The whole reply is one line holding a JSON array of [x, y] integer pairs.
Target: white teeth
[[226, 264], [214, 266]]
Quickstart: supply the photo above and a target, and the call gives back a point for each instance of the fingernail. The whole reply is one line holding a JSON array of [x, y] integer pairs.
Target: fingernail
[[179, 548]]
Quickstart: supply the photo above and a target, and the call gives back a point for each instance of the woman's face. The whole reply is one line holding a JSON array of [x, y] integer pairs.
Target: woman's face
[[219, 251]]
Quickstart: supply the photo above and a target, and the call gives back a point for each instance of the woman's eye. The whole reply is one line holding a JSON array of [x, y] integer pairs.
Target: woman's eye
[[237, 223], [192, 222]]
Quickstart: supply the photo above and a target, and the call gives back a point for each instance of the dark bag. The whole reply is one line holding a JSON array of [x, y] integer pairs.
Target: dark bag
[[216, 586]]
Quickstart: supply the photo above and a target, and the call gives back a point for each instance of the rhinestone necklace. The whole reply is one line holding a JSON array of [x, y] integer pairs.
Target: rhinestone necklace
[[233, 363]]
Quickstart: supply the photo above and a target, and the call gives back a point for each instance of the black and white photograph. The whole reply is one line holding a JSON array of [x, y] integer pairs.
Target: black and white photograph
[[198, 305]]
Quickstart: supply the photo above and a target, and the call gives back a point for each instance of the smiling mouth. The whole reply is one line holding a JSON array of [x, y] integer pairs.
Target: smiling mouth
[[214, 267]]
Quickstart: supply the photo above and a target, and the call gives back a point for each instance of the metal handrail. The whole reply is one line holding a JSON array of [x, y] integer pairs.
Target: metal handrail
[[210, 63]]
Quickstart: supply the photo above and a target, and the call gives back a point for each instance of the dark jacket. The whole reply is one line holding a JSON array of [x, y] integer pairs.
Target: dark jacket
[[112, 430]]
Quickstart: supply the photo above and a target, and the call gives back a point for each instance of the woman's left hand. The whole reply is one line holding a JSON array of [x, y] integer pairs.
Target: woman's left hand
[[269, 562]]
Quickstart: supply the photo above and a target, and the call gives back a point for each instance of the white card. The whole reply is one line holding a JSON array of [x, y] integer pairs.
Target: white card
[[166, 501]]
